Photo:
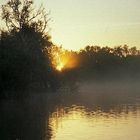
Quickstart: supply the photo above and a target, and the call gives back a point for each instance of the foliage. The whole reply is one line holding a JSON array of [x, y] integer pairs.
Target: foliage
[[24, 62], [104, 63]]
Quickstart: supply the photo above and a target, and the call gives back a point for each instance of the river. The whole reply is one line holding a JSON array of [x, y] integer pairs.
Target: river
[[80, 116]]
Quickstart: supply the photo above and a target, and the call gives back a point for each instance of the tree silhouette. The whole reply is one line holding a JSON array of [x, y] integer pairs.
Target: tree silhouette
[[24, 60]]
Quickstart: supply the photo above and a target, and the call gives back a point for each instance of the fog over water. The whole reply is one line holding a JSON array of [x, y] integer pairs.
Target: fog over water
[[102, 111]]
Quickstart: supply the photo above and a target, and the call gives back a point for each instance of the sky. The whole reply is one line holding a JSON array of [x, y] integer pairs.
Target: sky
[[77, 23]]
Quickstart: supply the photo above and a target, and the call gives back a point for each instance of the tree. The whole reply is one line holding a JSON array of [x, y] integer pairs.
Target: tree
[[22, 46], [17, 14], [20, 16]]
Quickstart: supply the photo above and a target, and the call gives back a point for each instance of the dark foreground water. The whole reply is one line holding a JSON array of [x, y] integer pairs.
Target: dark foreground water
[[84, 116]]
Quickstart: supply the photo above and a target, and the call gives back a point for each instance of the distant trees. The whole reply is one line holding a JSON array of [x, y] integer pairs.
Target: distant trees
[[104, 62], [98, 63]]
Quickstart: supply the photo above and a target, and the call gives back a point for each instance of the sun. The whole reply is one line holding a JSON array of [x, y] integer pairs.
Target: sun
[[60, 66], [62, 59]]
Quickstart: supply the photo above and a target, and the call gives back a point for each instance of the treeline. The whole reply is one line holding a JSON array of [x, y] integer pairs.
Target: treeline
[[105, 63]]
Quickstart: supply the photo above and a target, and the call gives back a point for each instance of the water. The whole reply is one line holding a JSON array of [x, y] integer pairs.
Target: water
[[77, 124], [98, 117], [84, 116]]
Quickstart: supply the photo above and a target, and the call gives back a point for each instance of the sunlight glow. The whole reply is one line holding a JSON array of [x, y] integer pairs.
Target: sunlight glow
[[63, 59], [60, 66], [59, 62]]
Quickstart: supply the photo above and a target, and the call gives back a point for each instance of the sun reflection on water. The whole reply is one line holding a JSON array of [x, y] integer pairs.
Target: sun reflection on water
[[78, 123]]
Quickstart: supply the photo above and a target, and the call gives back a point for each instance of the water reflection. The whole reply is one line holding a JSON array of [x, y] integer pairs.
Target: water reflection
[[83, 116], [77, 124], [99, 118], [24, 119]]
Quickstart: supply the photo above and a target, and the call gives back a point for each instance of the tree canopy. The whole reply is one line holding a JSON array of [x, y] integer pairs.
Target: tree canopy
[[24, 60]]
